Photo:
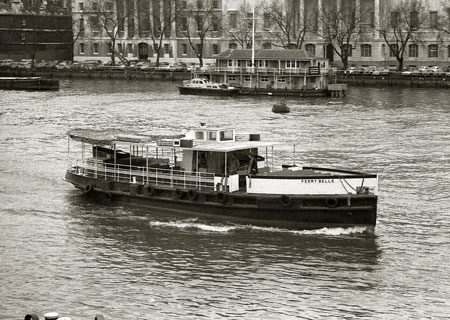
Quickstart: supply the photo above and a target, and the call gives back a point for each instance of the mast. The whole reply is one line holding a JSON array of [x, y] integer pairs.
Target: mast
[[253, 35]]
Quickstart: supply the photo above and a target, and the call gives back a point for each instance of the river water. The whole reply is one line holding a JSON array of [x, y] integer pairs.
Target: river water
[[61, 252]]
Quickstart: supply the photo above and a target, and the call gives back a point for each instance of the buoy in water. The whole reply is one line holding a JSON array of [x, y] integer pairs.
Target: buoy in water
[[51, 316], [280, 107]]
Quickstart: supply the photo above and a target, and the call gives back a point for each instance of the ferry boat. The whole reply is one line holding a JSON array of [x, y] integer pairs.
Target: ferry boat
[[28, 83], [218, 174], [202, 86]]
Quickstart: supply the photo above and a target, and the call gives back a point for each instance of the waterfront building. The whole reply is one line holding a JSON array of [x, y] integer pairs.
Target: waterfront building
[[196, 30], [35, 30]]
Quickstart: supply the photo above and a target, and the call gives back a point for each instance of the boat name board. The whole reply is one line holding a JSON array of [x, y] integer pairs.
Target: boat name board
[[317, 180]]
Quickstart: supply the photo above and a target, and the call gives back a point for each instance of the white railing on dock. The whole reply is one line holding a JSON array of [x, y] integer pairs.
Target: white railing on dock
[[143, 175]]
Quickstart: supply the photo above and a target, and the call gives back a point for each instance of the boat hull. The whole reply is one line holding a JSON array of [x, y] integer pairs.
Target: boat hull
[[207, 91], [13, 83], [282, 211]]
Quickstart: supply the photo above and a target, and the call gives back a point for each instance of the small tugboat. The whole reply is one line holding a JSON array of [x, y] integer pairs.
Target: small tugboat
[[202, 86], [220, 174], [28, 83]]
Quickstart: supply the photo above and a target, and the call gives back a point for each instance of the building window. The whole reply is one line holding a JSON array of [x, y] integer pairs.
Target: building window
[[81, 21], [290, 64], [95, 48], [24, 22], [433, 20], [130, 48], [372, 19], [166, 48], [215, 4], [413, 51], [264, 79], [395, 16], [215, 48], [184, 24], [348, 49], [266, 20], [199, 4], [366, 50], [94, 6], [199, 22], [199, 48], [184, 48], [81, 48], [311, 49], [267, 46], [184, 4], [262, 63], [81, 6], [109, 6], [109, 46], [432, 51], [414, 18], [233, 20], [119, 48], [393, 50], [215, 24], [232, 45], [448, 51], [230, 63], [281, 79], [249, 21]]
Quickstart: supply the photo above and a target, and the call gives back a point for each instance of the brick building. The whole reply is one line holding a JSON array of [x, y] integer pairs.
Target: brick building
[[212, 26]]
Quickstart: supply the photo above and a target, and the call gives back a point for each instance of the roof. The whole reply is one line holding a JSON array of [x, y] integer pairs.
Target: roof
[[272, 54], [229, 146], [110, 136]]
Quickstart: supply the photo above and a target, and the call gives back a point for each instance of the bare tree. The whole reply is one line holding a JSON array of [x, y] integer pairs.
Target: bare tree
[[237, 26], [290, 31], [103, 17], [443, 20], [400, 24], [341, 29], [196, 22], [156, 25]]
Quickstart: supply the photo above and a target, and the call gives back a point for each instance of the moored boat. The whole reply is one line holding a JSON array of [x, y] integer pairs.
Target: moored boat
[[219, 174], [28, 83], [202, 86]]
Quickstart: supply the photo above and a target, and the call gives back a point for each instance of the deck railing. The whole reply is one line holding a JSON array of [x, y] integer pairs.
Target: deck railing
[[264, 71], [142, 175]]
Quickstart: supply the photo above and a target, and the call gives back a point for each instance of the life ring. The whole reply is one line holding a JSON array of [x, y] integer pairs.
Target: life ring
[[222, 197], [109, 195], [87, 188], [331, 202], [149, 190], [179, 193], [285, 201], [192, 194]]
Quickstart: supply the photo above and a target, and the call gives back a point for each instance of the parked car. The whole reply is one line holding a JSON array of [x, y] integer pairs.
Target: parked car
[[163, 66], [6, 63], [208, 67], [63, 65], [193, 67], [353, 71], [148, 66], [178, 66]]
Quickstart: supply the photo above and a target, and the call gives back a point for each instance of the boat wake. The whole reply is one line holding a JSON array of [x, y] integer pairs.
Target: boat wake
[[195, 225]]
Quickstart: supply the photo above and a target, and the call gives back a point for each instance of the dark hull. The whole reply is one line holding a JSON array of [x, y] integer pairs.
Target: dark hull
[[296, 212], [207, 91], [28, 84]]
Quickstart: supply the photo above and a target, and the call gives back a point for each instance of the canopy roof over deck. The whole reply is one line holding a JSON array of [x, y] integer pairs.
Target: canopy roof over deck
[[111, 136]]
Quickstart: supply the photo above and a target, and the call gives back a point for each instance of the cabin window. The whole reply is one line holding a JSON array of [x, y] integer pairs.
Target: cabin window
[[262, 63], [81, 48], [226, 135], [184, 49], [249, 63], [264, 79], [290, 64], [281, 79], [95, 48], [212, 136], [231, 78], [232, 45], [247, 78], [199, 135]]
